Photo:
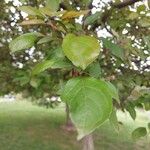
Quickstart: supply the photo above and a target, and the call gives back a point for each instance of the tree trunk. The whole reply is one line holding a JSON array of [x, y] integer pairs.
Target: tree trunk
[[88, 143]]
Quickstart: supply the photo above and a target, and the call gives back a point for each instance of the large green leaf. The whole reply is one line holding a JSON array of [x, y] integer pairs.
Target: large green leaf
[[115, 49], [81, 50], [53, 64], [53, 5], [24, 41], [89, 101], [139, 132]]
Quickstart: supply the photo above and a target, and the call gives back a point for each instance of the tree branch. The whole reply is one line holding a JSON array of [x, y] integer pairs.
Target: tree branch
[[124, 3], [108, 30], [119, 5]]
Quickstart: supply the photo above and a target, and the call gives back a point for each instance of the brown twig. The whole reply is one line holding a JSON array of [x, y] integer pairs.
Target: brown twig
[[108, 30]]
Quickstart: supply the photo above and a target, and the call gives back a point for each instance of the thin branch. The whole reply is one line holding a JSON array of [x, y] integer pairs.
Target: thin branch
[[108, 30], [124, 3]]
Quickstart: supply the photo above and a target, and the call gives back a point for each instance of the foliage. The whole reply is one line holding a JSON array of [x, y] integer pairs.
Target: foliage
[[72, 48], [81, 50], [139, 132], [90, 99]]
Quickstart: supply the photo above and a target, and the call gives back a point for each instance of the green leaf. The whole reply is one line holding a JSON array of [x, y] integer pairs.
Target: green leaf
[[81, 50], [147, 106], [131, 110], [113, 92], [133, 15], [113, 120], [33, 11], [61, 64], [144, 22], [86, 2], [147, 41], [139, 132], [22, 77], [94, 70], [114, 48], [61, 87], [74, 14], [92, 18], [44, 40], [48, 12], [35, 82], [57, 53], [53, 5], [53, 64], [24, 41], [145, 99], [89, 102], [141, 8], [24, 80], [32, 22], [42, 66]]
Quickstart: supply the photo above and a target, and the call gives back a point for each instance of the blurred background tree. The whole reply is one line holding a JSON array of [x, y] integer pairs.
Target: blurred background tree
[[122, 28]]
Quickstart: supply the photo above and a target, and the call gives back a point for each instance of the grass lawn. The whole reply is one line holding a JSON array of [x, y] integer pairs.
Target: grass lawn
[[24, 126]]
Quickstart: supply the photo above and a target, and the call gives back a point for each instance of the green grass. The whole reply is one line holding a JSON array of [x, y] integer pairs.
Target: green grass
[[24, 126]]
